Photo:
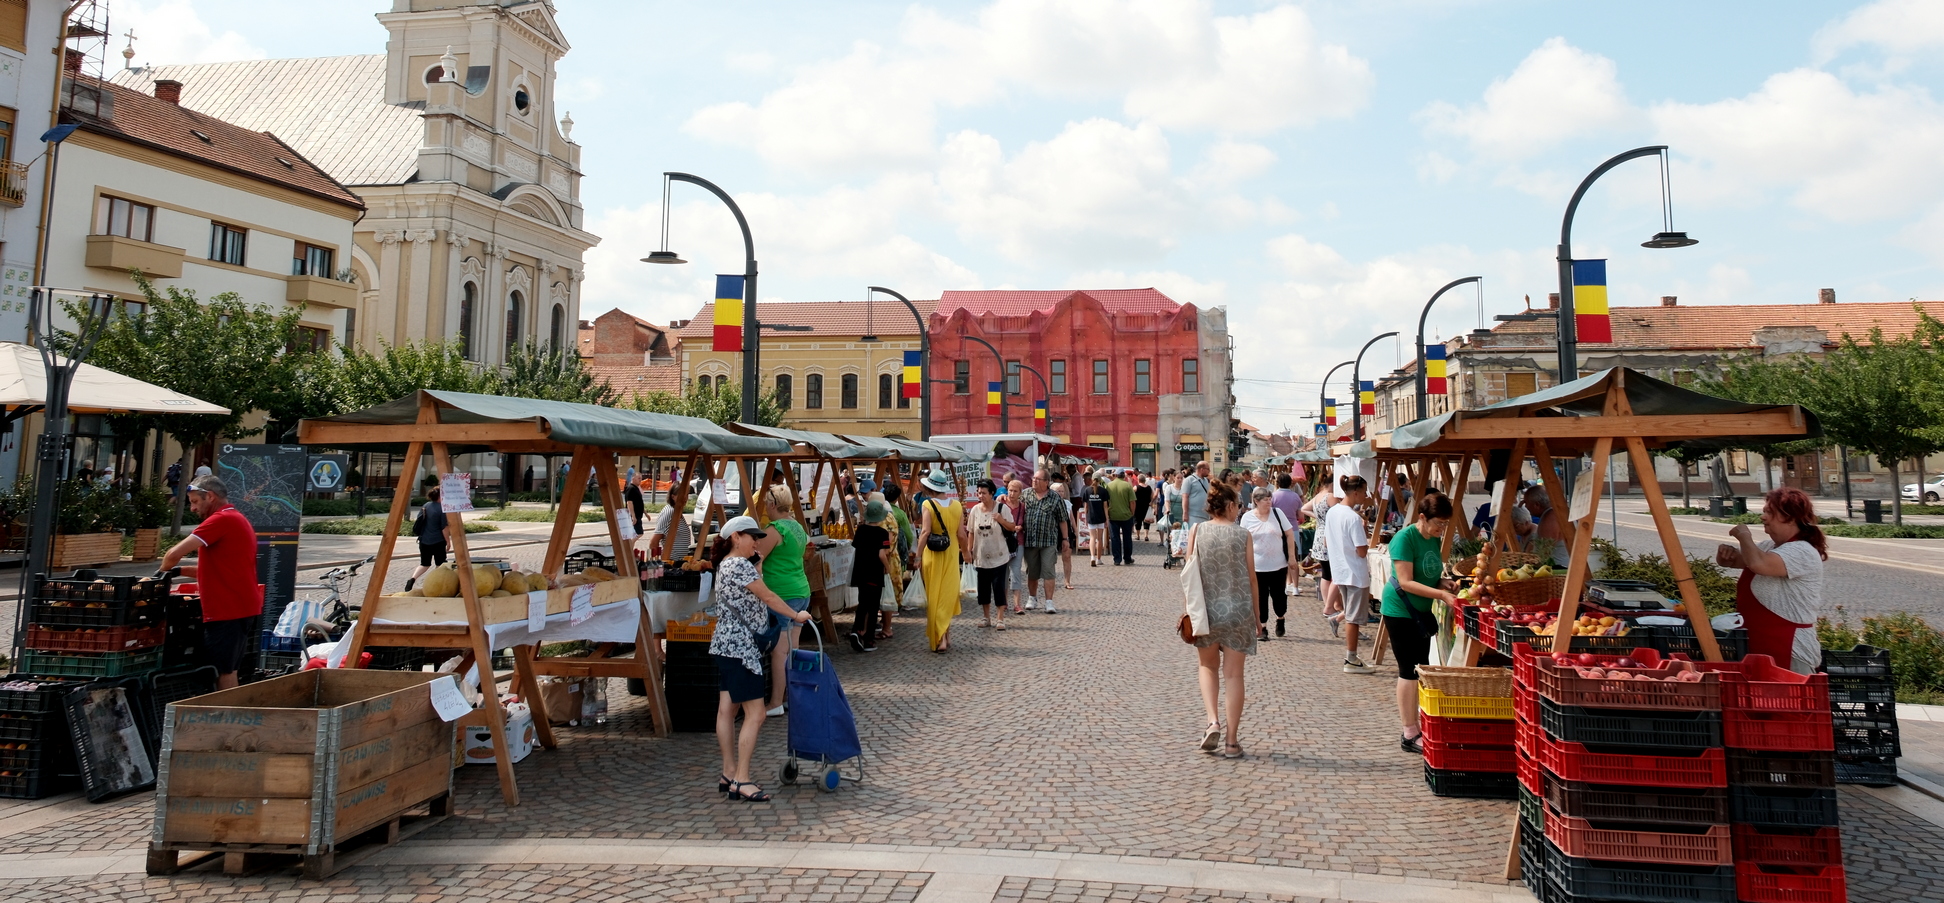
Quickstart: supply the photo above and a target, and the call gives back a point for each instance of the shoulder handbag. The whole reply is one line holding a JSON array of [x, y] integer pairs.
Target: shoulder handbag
[[936, 541], [1194, 619]]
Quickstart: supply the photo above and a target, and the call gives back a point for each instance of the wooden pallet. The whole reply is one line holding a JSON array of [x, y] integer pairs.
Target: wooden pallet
[[251, 858]]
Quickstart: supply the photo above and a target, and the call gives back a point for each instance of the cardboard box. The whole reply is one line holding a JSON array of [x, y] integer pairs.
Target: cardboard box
[[520, 737]]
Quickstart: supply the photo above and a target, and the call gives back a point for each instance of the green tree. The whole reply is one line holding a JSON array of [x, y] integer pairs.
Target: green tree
[[553, 375], [399, 370], [1759, 379], [719, 406]]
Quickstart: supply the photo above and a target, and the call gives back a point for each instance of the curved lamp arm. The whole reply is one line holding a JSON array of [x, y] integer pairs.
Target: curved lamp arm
[[1420, 335], [1356, 383]]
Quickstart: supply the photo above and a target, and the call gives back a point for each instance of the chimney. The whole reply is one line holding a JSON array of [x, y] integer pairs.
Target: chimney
[[1825, 296], [1667, 300], [1552, 300], [168, 89], [71, 61]]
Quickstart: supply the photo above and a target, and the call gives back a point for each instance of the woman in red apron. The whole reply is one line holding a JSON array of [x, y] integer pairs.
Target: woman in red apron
[[1779, 594]]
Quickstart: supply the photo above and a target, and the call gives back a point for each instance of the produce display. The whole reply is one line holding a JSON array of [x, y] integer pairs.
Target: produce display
[[442, 582]]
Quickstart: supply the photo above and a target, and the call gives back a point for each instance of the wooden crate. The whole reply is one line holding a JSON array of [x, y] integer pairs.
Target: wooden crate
[[299, 765], [452, 610]]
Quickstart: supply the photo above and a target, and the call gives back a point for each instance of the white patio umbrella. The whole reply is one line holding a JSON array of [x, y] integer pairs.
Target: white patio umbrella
[[23, 383]]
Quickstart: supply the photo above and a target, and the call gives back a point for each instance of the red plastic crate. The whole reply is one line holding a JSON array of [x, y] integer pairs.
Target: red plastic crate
[[1525, 735], [1784, 884], [1581, 838], [123, 638], [1756, 684], [1575, 762], [1475, 758], [1528, 770], [1524, 655], [1466, 730], [1788, 846], [1525, 703], [1778, 731], [1564, 686]]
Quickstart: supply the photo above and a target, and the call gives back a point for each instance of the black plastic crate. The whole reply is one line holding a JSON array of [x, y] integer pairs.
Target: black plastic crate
[[1621, 727], [1532, 811], [1651, 805], [1479, 785], [1881, 716], [88, 585], [68, 614], [166, 687], [578, 562], [1862, 661], [1782, 770], [1862, 690], [1510, 635], [1586, 880], [32, 695], [1783, 808], [1868, 742], [274, 664], [1683, 639], [1870, 772], [675, 580], [36, 783]]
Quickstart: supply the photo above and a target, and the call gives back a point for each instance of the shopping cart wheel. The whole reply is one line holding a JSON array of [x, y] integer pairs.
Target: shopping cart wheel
[[830, 780], [788, 774]]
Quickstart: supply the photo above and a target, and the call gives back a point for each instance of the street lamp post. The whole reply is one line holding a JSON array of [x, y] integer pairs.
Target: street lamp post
[[751, 331], [1046, 393], [1667, 238], [1322, 409], [1005, 422], [1356, 385], [1421, 412], [924, 360]]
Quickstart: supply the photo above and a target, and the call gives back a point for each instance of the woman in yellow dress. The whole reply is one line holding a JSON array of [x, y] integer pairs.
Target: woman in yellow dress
[[940, 514]]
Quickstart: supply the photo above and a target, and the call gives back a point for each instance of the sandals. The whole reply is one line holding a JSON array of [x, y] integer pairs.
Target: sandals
[[984, 623], [735, 793], [723, 785], [1211, 738], [999, 626], [1232, 751]]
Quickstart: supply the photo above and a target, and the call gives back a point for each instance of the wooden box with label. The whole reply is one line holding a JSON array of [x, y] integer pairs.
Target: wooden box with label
[[311, 764]]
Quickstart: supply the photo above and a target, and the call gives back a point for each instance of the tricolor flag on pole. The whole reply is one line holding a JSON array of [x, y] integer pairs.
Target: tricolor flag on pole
[[1590, 320], [728, 314], [1039, 414], [1434, 369], [994, 392], [1329, 412], [1367, 398], [914, 374]]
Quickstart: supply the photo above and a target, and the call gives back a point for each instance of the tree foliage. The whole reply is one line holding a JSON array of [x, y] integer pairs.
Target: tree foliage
[[399, 370], [552, 374], [719, 406]]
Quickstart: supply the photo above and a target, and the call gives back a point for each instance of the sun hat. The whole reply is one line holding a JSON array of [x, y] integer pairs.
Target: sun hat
[[937, 481], [744, 524], [874, 511]]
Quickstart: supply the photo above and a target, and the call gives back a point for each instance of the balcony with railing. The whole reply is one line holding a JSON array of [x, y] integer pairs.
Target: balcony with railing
[[13, 183]]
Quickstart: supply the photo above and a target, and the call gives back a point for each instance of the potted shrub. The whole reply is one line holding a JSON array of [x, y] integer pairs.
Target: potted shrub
[[148, 513], [84, 528]]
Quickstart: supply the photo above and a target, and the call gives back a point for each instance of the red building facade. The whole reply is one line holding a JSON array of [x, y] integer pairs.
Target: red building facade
[[1127, 369]]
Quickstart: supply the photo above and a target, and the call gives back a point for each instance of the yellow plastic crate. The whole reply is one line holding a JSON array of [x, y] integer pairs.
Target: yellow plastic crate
[[1441, 705], [699, 628]]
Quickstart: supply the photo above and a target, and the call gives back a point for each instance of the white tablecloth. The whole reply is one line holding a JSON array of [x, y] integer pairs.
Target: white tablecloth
[[665, 607]]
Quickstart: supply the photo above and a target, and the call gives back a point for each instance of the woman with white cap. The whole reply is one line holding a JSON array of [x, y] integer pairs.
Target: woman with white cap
[[744, 607], [939, 536]]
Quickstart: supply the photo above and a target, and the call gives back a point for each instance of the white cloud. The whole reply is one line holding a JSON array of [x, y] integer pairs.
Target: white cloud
[[1558, 92], [172, 32], [1900, 27]]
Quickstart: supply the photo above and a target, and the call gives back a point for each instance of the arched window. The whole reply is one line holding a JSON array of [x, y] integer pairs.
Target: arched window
[[850, 390], [558, 332], [887, 387], [468, 300], [722, 384], [514, 304], [783, 391], [813, 391]]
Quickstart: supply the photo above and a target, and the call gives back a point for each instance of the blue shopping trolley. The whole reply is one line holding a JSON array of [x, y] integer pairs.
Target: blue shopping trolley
[[823, 733]]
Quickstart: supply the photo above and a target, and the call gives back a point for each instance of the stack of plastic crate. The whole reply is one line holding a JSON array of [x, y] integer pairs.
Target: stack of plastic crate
[[36, 752], [1863, 709], [1623, 785], [90, 626], [1466, 714]]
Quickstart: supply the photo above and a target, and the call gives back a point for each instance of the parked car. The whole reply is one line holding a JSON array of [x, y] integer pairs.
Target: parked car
[[1933, 489]]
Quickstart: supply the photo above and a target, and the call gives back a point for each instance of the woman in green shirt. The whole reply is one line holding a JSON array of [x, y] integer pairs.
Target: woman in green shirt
[[1417, 559], [782, 556]]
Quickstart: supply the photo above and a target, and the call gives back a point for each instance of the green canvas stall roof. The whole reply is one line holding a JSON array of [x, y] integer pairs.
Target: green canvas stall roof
[[1586, 397], [911, 449], [1315, 456], [570, 424], [828, 445]]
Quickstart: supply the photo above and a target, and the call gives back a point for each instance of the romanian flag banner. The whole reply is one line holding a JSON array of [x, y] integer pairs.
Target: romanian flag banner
[[914, 374], [994, 392], [728, 314], [1367, 398], [1434, 369], [1590, 320], [1329, 412], [1039, 414]]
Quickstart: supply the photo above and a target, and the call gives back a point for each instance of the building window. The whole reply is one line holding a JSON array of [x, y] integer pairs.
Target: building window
[[468, 301], [1100, 377], [6, 129], [897, 387], [311, 260], [887, 387], [784, 393], [227, 243], [116, 216], [849, 390], [961, 377], [514, 304], [310, 338], [1012, 377], [1190, 376], [1738, 462], [813, 391], [722, 384], [13, 24], [1517, 384], [1056, 375], [556, 333], [1143, 377]]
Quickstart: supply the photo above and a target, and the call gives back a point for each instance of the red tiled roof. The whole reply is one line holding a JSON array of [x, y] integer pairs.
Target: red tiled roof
[[629, 380], [852, 318], [172, 129], [1012, 303], [1716, 326]]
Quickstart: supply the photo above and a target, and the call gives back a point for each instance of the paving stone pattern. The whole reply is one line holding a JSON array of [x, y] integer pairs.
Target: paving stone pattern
[[482, 883], [1033, 890], [1889, 855]]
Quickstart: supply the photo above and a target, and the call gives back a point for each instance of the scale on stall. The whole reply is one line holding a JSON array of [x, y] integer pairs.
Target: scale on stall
[[1625, 594]]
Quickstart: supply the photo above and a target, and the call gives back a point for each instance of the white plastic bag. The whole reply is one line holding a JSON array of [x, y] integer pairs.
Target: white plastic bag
[[914, 594], [968, 583], [295, 615]]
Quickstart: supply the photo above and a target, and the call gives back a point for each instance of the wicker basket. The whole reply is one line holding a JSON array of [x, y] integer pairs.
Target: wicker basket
[[1530, 591], [1452, 681]]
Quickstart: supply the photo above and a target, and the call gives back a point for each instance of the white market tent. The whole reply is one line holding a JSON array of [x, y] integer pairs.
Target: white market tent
[[23, 389]]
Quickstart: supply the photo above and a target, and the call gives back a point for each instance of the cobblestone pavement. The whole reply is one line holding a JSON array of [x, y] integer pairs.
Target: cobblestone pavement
[[1050, 890], [1889, 854]]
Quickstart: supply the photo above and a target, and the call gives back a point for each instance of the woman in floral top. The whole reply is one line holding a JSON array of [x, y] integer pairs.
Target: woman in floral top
[[743, 606]]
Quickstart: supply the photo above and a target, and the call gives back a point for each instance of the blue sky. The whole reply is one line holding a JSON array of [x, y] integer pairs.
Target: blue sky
[[1317, 168]]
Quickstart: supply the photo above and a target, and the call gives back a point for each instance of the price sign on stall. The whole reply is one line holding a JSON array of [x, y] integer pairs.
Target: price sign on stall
[[455, 492]]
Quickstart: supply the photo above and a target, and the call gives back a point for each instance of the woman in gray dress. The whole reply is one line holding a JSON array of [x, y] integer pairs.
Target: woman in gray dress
[[1221, 549]]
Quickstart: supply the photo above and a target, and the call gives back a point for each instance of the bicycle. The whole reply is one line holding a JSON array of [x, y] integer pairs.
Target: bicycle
[[337, 615]]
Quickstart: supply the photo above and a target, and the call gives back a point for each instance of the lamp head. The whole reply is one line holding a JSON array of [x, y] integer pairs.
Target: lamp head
[[1669, 240], [662, 257]]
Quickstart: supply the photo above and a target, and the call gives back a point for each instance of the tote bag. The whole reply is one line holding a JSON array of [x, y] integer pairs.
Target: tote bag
[[1194, 619]]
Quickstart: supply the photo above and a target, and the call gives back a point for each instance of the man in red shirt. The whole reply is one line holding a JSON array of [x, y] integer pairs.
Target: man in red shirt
[[225, 546]]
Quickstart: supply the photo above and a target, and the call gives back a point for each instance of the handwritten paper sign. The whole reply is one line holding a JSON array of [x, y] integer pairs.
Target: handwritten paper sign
[[1583, 496], [448, 700], [455, 492], [627, 525], [536, 611], [582, 606]]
